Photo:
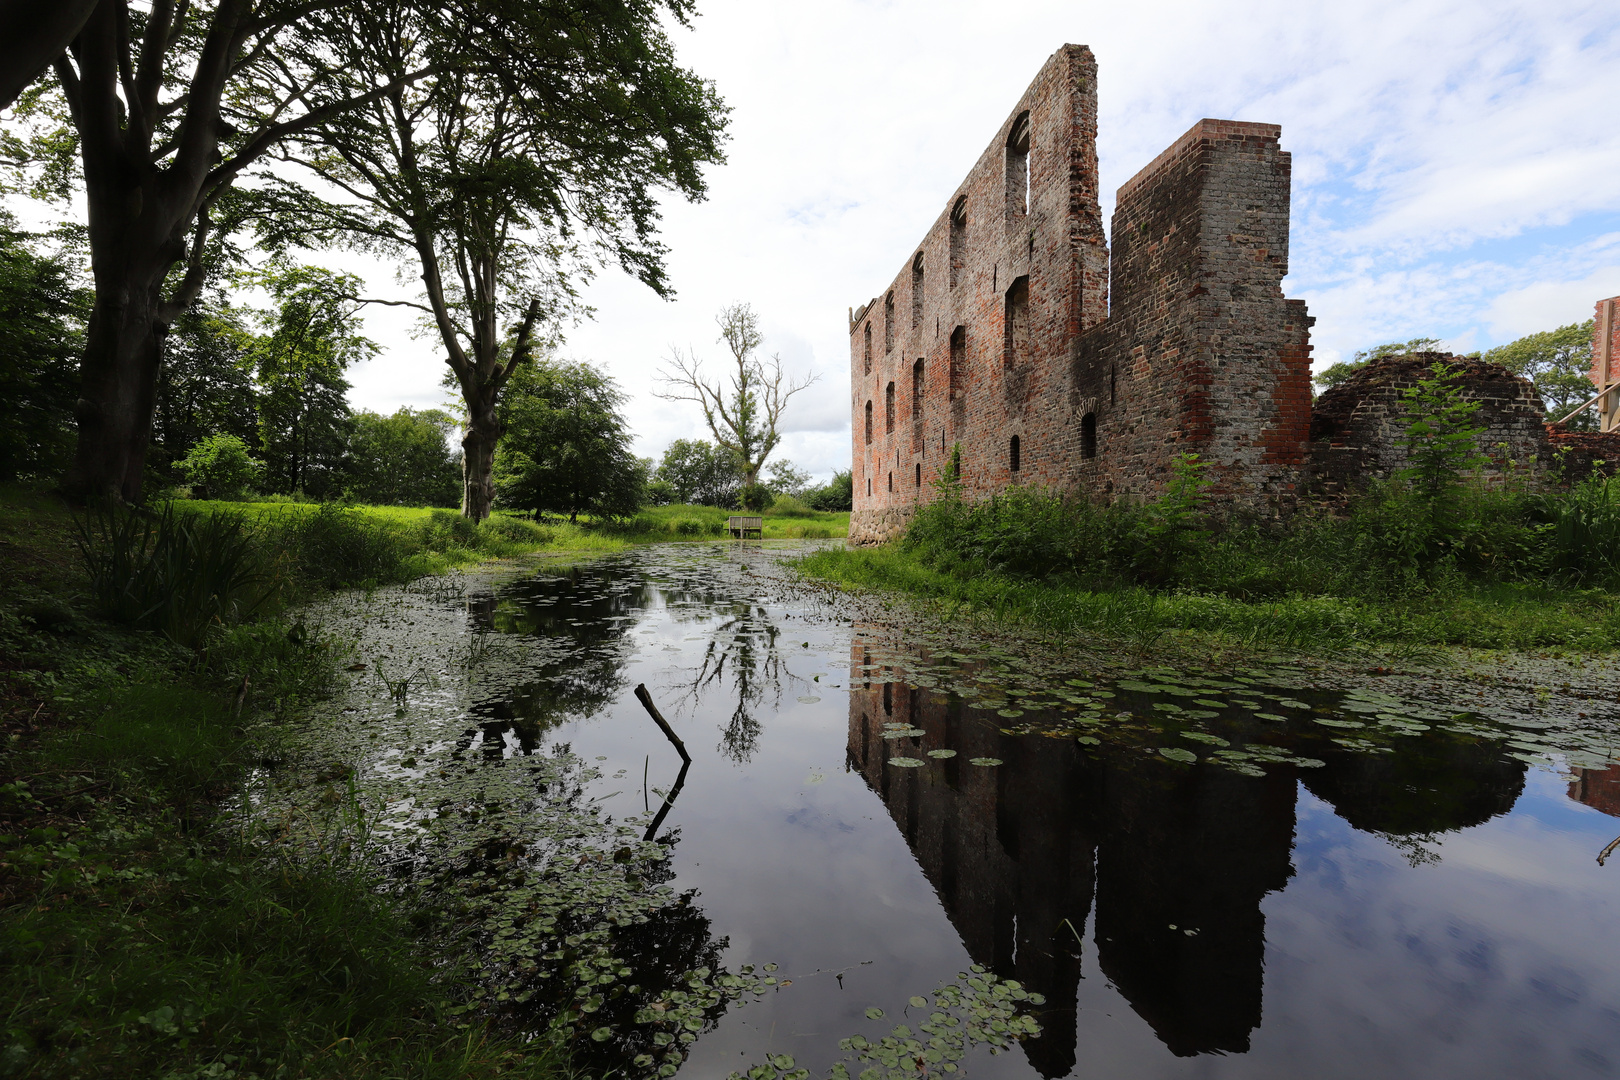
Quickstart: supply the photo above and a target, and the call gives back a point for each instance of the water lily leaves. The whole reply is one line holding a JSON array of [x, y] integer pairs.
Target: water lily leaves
[[874, 1013], [942, 753], [985, 761], [1010, 713], [906, 762], [919, 1003], [808, 699], [1205, 737], [1290, 703], [904, 733], [1210, 703], [1326, 722], [1270, 716], [1176, 753]]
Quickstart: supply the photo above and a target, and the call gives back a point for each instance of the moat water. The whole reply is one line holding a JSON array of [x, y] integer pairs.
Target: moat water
[[1213, 873]]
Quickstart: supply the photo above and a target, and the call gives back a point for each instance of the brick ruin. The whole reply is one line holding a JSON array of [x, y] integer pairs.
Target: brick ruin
[[998, 334]]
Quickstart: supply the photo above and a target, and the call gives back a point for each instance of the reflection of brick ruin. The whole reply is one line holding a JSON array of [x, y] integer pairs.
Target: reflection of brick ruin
[[999, 335], [1026, 855]]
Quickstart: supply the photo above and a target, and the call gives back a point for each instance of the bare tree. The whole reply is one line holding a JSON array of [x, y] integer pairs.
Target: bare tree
[[744, 407]]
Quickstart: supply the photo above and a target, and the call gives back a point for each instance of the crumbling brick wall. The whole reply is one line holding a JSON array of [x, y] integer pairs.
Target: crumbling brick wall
[[1201, 353], [996, 333], [1357, 426], [1023, 230]]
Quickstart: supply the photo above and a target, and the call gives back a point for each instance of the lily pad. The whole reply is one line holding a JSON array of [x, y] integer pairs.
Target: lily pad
[[1176, 753], [1325, 722], [942, 753], [987, 761], [809, 699], [907, 762], [1205, 737]]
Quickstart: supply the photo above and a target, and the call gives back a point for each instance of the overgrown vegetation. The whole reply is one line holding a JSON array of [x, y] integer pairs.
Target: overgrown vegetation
[[1434, 556], [141, 937]]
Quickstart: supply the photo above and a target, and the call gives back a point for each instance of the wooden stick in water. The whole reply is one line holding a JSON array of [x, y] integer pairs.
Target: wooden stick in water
[[1609, 850], [647, 701]]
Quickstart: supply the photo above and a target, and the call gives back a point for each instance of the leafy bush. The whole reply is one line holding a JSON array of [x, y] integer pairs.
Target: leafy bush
[[220, 467], [338, 546], [838, 495], [754, 497], [512, 530]]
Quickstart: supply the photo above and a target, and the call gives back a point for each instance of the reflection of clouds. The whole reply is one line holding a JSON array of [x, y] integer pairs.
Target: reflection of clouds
[[1499, 961]]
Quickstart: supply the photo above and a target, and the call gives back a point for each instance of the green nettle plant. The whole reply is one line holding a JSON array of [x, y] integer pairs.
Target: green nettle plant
[[219, 467], [1441, 439]]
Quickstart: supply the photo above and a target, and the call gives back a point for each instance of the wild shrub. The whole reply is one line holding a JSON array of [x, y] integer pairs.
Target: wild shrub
[[335, 547], [182, 575], [1583, 533], [220, 467], [790, 506]]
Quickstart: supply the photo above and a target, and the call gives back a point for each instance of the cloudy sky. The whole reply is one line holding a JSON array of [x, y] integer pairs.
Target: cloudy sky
[[1456, 170]]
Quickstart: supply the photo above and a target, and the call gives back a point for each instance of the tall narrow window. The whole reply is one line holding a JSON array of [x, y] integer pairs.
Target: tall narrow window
[[867, 353], [1113, 383], [1018, 166], [919, 474], [891, 482], [958, 372], [888, 323], [1088, 435], [869, 422], [917, 386], [888, 410], [1013, 454], [868, 487], [1015, 323], [916, 290], [958, 239]]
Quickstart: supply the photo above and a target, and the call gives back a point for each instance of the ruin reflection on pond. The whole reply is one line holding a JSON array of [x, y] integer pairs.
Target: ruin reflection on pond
[[1202, 872]]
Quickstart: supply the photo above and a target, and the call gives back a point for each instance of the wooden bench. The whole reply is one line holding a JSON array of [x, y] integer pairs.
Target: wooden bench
[[740, 527]]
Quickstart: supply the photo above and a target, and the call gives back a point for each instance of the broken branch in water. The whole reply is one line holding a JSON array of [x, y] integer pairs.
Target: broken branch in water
[[1606, 852], [669, 800], [680, 747]]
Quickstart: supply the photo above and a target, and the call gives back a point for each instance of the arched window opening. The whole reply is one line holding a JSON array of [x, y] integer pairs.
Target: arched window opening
[[958, 371], [869, 422], [1013, 455], [868, 487], [919, 474], [1018, 166], [867, 353], [888, 410], [1015, 323], [958, 239], [916, 290], [888, 323], [891, 482], [1088, 435], [888, 699]]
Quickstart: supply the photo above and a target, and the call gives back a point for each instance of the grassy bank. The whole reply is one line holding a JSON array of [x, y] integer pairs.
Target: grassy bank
[[1472, 566], [142, 938]]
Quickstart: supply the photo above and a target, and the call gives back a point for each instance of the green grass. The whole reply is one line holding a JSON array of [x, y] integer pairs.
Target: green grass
[[1493, 616], [141, 937], [681, 522]]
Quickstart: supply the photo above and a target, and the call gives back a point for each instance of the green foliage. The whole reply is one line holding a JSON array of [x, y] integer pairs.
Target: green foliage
[[1336, 374], [839, 494], [1440, 436], [1586, 532], [565, 446], [181, 575], [786, 478], [311, 338], [333, 547], [219, 467], [205, 386], [754, 497], [1557, 363], [698, 471], [42, 317], [789, 506], [403, 459]]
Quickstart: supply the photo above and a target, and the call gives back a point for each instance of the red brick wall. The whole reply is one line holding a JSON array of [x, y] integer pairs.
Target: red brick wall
[[1201, 353]]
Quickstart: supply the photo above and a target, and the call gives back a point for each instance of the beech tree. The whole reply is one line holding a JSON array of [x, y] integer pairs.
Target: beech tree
[[169, 103], [744, 407], [508, 177]]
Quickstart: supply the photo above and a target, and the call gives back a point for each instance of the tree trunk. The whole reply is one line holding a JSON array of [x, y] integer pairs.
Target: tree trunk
[[478, 456], [118, 387]]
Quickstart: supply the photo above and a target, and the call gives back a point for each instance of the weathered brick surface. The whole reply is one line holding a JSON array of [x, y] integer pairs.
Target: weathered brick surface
[[997, 333], [1201, 353], [1357, 426]]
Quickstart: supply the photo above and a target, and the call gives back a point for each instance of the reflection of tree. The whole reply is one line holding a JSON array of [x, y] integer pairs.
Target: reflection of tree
[[583, 616], [741, 659]]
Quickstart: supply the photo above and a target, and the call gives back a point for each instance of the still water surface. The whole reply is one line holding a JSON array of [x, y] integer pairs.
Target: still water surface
[[1428, 908]]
